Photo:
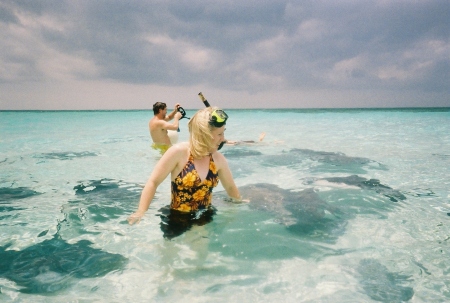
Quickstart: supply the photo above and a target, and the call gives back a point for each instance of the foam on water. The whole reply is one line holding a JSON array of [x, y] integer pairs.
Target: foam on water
[[345, 206]]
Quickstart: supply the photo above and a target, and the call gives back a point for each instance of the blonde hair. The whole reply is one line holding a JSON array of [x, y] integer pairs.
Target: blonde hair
[[200, 137]]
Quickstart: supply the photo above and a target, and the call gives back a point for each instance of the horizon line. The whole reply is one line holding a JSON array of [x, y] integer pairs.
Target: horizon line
[[246, 109]]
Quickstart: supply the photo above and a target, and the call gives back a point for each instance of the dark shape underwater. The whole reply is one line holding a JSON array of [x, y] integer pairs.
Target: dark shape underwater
[[292, 206], [7, 194], [302, 212], [382, 285], [277, 224], [371, 184], [104, 199], [14, 193], [52, 265], [66, 155], [237, 152], [107, 190], [327, 161], [97, 201]]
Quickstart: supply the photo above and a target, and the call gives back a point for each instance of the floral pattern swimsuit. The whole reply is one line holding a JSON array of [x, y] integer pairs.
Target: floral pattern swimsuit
[[189, 192]]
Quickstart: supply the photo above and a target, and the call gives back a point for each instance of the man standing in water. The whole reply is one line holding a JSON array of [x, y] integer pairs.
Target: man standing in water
[[159, 125]]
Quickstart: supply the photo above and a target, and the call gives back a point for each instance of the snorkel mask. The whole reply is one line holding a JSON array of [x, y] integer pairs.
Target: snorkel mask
[[218, 118]]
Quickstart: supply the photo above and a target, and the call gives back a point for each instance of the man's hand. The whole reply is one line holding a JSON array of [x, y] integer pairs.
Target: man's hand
[[176, 107], [178, 116]]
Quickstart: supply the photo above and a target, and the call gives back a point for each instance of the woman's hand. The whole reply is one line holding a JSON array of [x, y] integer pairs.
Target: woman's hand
[[237, 200], [135, 218]]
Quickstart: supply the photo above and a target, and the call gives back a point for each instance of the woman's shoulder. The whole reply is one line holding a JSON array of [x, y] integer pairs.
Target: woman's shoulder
[[177, 149], [180, 147], [218, 157]]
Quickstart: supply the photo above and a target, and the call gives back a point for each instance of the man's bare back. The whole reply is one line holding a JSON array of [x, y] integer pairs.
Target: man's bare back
[[158, 132], [159, 125]]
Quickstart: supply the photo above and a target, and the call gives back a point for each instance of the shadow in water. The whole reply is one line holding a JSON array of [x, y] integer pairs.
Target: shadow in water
[[382, 285], [14, 193], [282, 223], [330, 162], [97, 202], [302, 212], [10, 194], [239, 152], [316, 161], [65, 155], [279, 223], [103, 200], [370, 184], [54, 265]]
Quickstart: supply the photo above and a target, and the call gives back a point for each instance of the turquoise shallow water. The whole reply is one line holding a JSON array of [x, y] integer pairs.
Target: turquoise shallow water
[[346, 206]]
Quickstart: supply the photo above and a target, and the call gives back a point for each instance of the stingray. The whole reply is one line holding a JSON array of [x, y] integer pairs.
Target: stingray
[[98, 201], [54, 265], [14, 193], [382, 285], [331, 157], [241, 152], [107, 190], [8, 194], [66, 155], [301, 212], [279, 223], [289, 206], [370, 184], [326, 161]]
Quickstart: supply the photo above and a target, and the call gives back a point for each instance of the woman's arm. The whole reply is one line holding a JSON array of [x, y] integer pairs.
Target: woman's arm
[[225, 176], [165, 165]]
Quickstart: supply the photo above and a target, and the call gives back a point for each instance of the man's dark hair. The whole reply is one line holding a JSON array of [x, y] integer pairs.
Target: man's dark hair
[[158, 106]]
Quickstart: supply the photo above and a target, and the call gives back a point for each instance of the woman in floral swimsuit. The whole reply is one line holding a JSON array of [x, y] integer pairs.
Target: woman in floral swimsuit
[[189, 192], [196, 167]]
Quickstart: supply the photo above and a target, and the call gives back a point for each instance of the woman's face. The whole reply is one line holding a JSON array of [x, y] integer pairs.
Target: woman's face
[[218, 136]]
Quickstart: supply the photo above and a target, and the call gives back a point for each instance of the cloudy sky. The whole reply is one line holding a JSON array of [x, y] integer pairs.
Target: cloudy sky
[[240, 53]]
